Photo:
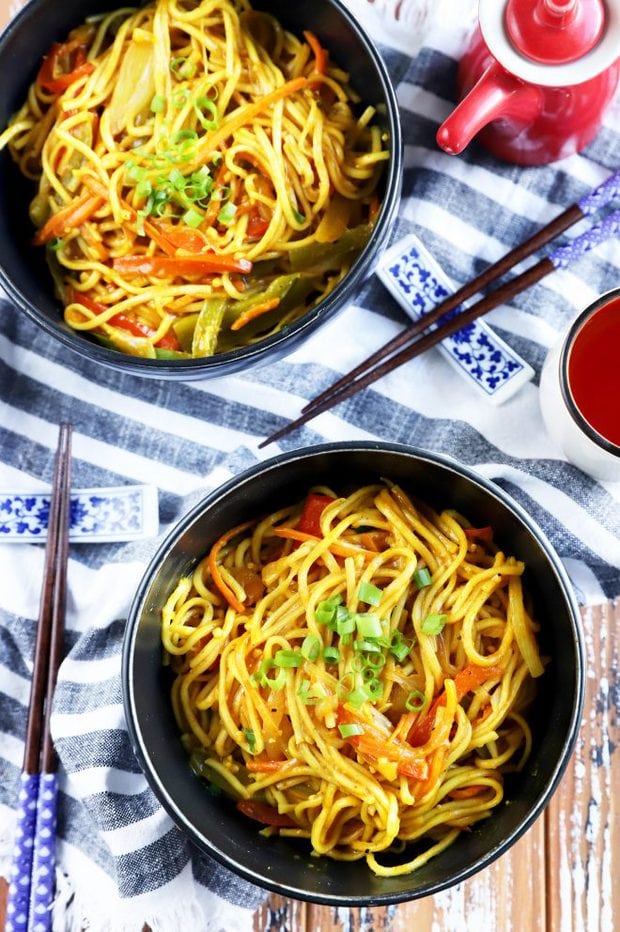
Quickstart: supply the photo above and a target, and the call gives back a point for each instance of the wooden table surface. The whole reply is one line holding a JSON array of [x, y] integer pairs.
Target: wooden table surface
[[564, 874]]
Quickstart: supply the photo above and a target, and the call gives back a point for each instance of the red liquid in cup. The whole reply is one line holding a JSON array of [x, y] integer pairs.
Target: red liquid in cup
[[594, 370]]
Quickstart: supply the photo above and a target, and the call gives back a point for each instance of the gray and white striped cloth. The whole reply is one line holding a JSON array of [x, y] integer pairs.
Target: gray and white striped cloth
[[122, 861]]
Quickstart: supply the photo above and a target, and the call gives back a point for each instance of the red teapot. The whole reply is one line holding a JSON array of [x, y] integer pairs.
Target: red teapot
[[536, 78]]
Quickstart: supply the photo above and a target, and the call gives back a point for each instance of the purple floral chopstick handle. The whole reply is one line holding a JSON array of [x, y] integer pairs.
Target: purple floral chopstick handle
[[18, 901], [43, 868], [603, 194], [597, 234]]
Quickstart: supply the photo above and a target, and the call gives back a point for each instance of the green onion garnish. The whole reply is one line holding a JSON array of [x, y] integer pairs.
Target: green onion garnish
[[311, 647], [192, 218], [55, 244], [263, 679], [370, 647], [177, 179], [184, 135], [415, 701], [422, 578], [182, 67], [331, 655], [375, 688], [434, 624], [304, 693], [349, 730], [144, 188], [399, 647], [298, 217], [376, 661], [358, 696], [180, 98], [345, 621], [368, 625], [288, 658], [226, 214], [140, 222], [250, 737], [158, 104], [369, 593], [202, 107]]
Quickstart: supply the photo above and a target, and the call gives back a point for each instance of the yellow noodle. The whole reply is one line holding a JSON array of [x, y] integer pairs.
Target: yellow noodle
[[154, 96], [351, 743]]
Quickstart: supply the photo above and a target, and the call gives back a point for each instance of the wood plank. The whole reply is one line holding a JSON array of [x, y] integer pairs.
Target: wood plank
[[583, 843]]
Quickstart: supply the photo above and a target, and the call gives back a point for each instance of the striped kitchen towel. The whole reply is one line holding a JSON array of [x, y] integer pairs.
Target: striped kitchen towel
[[122, 862]]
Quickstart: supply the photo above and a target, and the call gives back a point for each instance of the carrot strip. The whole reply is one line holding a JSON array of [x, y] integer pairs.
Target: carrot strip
[[320, 55], [337, 547], [70, 217], [253, 312], [225, 590], [206, 263], [265, 766], [262, 812], [465, 681], [479, 533], [466, 792], [245, 114]]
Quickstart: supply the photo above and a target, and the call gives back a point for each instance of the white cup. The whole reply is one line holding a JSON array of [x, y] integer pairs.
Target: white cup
[[580, 442]]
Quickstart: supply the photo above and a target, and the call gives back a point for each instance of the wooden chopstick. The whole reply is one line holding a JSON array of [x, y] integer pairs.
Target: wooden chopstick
[[590, 203], [31, 887], [559, 258]]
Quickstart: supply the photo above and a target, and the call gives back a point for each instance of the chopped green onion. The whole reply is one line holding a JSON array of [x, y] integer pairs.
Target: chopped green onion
[[263, 679], [358, 696], [325, 613], [415, 701], [158, 104], [222, 193], [422, 578], [250, 737], [370, 647], [177, 179], [202, 105], [369, 593], [183, 135], [55, 244], [226, 214], [331, 655], [192, 218], [434, 624], [134, 172], [376, 661], [304, 693], [140, 222], [180, 98], [375, 688], [311, 647], [288, 658], [345, 685], [298, 217], [345, 620], [182, 67], [401, 650], [349, 730], [144, 188], [369, 625]]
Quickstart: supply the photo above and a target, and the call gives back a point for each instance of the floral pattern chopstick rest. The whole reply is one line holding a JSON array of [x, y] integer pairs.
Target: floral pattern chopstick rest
[[419, 284], [97, 515]]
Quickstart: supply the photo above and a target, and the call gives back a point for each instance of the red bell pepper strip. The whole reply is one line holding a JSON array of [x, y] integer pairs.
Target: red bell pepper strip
[[264, 813], [465, 681], [314, 506], [51, 78], [479, 533], [136, 327], [376, 745]]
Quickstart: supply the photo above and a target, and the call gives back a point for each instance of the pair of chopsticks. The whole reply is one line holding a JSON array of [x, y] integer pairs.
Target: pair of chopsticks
[[414, 340], [31, 887]]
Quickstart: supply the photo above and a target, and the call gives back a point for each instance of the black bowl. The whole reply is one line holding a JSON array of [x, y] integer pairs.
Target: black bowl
[[212, 823], [23, 271]]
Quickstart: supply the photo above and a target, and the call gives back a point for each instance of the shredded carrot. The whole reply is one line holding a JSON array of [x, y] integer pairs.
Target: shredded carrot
[[466, 792], [70, 217], [256, 311], [479, 533], [320, 55], [337, 547], [265, 766], [246, 114], [228, 594]]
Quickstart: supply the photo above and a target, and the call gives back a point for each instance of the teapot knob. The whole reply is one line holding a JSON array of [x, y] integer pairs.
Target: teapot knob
[[554, 31]]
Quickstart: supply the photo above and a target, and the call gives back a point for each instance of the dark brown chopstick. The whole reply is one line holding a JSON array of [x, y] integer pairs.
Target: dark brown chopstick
[[504, 293], [52, 598], [543, 236], [31, 890]]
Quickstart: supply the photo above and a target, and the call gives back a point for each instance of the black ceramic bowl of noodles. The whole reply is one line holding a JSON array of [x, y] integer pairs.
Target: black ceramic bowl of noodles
[[23, 270], [287, 867]]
